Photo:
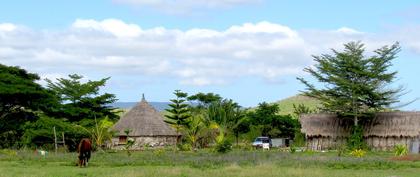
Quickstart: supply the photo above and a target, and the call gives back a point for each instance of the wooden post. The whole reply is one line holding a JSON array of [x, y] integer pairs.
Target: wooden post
[[55, 140], [64, 143]]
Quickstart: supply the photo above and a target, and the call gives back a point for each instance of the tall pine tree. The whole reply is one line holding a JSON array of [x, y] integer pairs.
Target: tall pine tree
[[354, 85], [179, 114]]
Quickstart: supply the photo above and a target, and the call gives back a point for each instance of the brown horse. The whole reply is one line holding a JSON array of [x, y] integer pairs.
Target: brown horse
[[84, 149]]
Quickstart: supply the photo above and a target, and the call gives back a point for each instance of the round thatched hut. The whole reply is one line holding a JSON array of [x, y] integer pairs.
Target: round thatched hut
[[326, 131], [145, 126]]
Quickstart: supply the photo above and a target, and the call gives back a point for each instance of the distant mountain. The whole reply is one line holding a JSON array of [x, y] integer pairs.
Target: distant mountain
[[159, 106]]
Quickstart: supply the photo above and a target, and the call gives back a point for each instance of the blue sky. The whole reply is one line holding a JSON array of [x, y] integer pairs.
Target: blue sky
[[247, 50]]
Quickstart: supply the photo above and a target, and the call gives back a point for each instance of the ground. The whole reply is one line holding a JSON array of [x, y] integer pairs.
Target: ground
[[205, 163]]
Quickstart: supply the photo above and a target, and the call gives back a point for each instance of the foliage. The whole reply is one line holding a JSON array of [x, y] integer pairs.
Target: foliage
[[229, 115], [204, 99], [185, 147], [40, 133], [341, 150], [195, 130], [400, 150], [20, 97], [179, 114], [292, 149], [355, 140], [355, 85], [271, 123], [130, 142], [358, 153], [299, 139], [223, 144], [82, 102], [301, 109], [101, 133]]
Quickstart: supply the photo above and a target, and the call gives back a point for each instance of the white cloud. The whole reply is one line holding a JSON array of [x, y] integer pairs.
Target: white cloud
[[113, 26], [185, 6], [7, 27], [197, 56], [350, 31]]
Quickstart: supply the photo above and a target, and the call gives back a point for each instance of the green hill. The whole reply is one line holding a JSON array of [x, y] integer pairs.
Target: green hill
[[286, 105]]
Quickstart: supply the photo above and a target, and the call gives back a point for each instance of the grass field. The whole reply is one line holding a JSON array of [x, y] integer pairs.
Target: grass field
[[204, 163]]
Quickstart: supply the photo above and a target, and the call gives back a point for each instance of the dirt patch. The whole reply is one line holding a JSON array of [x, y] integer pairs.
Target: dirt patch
[[410, 157]]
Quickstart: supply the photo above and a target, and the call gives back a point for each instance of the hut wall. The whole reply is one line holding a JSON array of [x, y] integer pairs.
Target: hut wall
[[383, 132], [376, 143], [152, 141], [324, 143]]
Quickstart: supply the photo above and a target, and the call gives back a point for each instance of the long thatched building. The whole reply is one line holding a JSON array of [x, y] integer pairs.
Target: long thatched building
[[145, 126], [326, 131]]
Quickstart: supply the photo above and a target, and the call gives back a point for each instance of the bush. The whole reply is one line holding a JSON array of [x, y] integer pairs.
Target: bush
[[185, 147], [8, 152], [159, 152], [356, 139], [40, 133], [358, 153], [400, 150], [292, 149], [224, 146]]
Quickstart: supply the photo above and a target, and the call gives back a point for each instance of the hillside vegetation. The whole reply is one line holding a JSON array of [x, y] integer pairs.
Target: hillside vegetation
[[286, 105]]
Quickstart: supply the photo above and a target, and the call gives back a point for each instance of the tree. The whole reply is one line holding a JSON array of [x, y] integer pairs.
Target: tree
[[195, 130], [354, 85], [179, 114], [40, 133], [102, 132], [82, 102], [204, 99], [271, 123], [20, 97], [228, 115]]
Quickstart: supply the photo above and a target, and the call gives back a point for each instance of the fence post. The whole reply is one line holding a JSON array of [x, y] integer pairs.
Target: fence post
[[55, 140]]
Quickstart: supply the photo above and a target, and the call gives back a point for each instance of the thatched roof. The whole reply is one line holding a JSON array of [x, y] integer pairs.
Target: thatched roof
[[143, 120], [389, 124]]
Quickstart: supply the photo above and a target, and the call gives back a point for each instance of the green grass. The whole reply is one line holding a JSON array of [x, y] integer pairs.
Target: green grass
[[205, 163]]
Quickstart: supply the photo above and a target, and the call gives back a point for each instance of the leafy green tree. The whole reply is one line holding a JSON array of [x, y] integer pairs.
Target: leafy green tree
[[178, 115], [354, 85], [82, 102], [273, 125], [40, 133], [204, 99], [102, 132], [301, 109], [195, 130], [228, 115], [20, 97]]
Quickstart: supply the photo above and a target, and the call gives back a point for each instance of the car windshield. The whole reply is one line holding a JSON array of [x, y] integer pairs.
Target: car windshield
[[261, 139]]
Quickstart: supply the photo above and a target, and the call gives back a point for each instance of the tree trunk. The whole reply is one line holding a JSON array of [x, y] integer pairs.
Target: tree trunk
[[356, 121]]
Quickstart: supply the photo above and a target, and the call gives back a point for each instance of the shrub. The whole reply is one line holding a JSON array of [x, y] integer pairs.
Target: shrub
[[292, 149], [400, 150], [223, 146], [185, 147], [341, 149], [356, 139], [358, 153], [8, 152], [159, 152]]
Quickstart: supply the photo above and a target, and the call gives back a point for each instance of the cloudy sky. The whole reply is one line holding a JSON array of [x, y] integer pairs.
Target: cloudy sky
[[247, 50]]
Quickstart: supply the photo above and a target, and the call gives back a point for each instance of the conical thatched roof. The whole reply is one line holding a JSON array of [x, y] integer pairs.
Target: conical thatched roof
[[143, 120], [387, 124]]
